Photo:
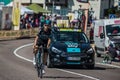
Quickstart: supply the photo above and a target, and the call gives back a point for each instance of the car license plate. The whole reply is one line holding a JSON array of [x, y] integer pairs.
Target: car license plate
[[73, 58]]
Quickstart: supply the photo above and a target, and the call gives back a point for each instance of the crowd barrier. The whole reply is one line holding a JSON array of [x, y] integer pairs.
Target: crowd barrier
[[13, 34]]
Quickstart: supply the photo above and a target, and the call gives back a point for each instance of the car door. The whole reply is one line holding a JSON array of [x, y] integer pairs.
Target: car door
[[99, 42]]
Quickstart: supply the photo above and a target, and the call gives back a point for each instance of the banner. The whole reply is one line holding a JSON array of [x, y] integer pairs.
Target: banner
[[13, 34], [16, 14], [6, 19]]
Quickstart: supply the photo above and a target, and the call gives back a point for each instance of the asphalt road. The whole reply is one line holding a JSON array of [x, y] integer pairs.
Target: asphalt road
[[12, 67]]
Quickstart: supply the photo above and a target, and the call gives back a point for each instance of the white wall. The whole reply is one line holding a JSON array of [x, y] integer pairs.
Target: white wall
[[96, 8], [25, 1], [33, 1], [95, 4], [75, 5]]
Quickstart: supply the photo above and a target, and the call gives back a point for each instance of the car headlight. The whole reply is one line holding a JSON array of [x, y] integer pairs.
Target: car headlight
[[90, 50], [55, 50]]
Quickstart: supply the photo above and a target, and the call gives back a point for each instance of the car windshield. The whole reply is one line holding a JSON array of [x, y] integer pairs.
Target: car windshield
[[71, 36], [113, 30]]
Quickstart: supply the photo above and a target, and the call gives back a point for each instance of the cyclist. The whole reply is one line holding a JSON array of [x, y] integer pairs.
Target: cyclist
[[43, 38]]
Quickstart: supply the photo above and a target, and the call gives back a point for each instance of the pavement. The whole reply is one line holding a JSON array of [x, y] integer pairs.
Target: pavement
[[15, 68]]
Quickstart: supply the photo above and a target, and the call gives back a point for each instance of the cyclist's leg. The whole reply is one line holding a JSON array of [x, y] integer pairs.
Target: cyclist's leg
[[44, 58], [45, 55], [38, 56], [34, 59], [35, 51]]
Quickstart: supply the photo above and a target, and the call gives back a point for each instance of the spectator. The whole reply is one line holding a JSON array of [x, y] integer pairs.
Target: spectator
[[91, 34], [48, 21], [42, 21], [54, 20]]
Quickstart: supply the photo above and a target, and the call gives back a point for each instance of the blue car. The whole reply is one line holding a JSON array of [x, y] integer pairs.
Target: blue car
[[70, 47]]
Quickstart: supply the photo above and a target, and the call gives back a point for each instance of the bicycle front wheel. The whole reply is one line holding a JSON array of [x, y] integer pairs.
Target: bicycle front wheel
[[41, 71]]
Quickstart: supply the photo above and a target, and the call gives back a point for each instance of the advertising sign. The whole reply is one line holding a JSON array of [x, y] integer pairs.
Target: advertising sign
[[63, 23], [84, 1]]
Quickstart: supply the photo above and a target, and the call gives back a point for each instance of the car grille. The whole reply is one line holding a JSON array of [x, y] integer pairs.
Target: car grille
[[74, 55]]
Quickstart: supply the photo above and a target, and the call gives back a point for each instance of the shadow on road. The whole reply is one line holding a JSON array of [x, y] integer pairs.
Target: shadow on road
[[81, 68], [63, 77]]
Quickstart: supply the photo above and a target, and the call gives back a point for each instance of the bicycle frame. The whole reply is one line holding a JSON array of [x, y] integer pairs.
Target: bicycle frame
[[39, 62]]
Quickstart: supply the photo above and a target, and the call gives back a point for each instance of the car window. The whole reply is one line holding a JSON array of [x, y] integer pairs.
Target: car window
[[71, 36], [113, 30]]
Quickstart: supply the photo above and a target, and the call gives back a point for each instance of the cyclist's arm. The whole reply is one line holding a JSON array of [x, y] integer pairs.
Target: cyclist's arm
[[48, 44], [35, 41]]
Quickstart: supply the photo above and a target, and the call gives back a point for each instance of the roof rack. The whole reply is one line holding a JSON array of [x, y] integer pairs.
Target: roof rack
[[66, 29]]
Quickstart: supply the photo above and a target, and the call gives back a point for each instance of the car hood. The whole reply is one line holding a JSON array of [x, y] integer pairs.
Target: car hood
[[64, 46]]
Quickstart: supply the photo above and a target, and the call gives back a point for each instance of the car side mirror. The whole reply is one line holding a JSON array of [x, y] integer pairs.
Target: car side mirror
[[102, 36]]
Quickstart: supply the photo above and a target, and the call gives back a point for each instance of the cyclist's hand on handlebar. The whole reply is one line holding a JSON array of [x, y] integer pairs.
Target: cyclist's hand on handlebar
[[48, 47], [34, 46]]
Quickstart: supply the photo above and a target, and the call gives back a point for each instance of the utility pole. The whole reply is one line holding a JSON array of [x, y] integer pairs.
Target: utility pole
[[30, 1], [53, 6], [53, 12]]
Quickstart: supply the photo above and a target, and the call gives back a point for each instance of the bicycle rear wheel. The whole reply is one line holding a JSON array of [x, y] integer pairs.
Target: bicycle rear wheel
[[41, 64], [41, 71], [38, 64], [38, 68]]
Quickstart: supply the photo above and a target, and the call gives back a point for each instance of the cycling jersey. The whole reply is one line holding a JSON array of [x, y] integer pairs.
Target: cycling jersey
[[43, 37]]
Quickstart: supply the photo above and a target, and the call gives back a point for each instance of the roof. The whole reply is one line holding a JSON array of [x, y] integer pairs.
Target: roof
[[37, 9]]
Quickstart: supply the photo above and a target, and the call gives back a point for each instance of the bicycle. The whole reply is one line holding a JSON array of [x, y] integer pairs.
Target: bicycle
[[39, 62]]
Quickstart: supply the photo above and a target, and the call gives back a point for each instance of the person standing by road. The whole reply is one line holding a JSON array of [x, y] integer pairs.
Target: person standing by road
[[48, 21], [108, 54], [42, 21]]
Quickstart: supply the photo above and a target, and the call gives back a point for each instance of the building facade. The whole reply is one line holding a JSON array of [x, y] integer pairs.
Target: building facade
[[99, 7], [59, 7], [63, 7]]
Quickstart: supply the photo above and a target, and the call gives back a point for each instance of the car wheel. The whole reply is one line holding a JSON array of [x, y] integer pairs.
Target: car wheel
[[90, 66], [49, 64]]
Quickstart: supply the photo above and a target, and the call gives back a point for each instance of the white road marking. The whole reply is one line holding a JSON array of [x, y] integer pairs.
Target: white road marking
[[115, 66], [90, 77], [15, 52]]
